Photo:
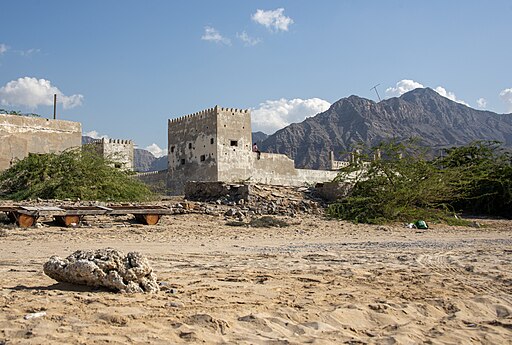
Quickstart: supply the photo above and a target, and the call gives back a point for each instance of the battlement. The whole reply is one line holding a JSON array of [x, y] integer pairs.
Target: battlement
[[112, 141], [150, 173], [207, 112], [234, 110]]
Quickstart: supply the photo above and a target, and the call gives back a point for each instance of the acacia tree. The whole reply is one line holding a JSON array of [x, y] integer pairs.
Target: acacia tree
[[485, 183], [400, 185], [404, 184]]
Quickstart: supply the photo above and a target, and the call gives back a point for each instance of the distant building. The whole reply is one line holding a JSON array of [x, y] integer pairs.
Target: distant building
[[216, 145], [21, 135], [118, 150]]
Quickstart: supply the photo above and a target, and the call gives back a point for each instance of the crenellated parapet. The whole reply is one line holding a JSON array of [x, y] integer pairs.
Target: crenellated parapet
[[233, 110], [112, 141], [207, 112], [150, 173]]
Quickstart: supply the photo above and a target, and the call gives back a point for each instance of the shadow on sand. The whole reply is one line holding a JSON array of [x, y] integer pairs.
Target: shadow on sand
[[61, 287]]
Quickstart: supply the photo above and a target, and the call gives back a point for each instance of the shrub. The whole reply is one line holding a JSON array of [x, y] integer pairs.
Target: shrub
[[406, 185], [484, 185], [75, 173]]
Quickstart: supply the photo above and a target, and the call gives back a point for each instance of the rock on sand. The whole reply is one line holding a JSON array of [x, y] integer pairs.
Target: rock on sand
[[107, 268]]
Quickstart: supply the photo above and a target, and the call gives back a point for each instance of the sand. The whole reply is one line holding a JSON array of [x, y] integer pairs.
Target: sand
[[317, 281]]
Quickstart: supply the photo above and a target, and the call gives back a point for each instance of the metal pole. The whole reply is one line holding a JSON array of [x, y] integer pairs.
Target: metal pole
[[375, 88], [55, 106]]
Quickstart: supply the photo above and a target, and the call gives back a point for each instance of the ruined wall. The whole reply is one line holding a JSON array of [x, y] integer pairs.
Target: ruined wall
[[332, 191], [192, 149], [309, 176], [155, 180], [216, 190], [21, 135], [278, 169], [337, 165], [118, 150]]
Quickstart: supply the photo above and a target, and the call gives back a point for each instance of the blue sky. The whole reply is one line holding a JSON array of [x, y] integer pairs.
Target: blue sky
[[122, 68]]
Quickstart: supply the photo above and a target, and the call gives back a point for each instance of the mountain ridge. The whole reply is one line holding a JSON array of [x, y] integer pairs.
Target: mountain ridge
[[436, 120]]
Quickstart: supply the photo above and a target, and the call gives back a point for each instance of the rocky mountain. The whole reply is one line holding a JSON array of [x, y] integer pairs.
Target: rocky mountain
[[436, 120], [258, 137], [86, 139], [144, 160]]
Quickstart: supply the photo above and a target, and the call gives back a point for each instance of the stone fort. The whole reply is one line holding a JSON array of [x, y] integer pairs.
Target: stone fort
[[118, 150], [216, 145]]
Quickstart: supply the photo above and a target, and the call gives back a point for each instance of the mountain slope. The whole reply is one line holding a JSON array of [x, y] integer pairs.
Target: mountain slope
[[423, 113]]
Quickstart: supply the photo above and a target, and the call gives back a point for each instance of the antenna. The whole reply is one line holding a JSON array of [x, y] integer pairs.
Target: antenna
[[54, 106], [377, 92]]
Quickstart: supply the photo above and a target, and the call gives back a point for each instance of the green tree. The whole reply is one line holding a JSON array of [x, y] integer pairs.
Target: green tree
[[485, 177], [405, 185], [401, 185], [75, 173]]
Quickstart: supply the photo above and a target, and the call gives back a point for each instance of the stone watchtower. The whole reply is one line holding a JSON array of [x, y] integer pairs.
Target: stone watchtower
[[118, 150], [210, 145]]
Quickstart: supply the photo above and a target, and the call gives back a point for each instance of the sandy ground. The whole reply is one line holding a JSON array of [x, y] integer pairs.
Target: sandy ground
[[317, 281]]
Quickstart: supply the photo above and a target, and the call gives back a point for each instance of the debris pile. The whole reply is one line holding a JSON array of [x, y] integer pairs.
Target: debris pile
[[256, 200]]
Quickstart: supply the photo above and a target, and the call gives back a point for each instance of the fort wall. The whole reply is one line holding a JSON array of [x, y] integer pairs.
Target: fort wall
[[235, 158], [21, 135], [192, 149], [156, 180], [278, 169]]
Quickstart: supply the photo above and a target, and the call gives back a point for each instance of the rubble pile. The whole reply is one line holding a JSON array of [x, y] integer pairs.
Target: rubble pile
[[261, 200]]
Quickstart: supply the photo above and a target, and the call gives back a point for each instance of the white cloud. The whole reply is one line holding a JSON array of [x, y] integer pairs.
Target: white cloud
[[450, 95], [29, 52], [4, 48], [31, 92], [248, 40], [481, 103], [211, 34], [274, 20], [406, 85], [156, 150], [402, 87], [95, 135], [273, 115], [506, 96]]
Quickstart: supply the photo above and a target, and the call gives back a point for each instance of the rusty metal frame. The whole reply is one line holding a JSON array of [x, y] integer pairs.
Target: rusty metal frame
[[26, 216]]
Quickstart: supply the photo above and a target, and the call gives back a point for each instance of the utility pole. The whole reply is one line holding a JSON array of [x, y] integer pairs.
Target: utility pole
[[375, 88], [54, 106]]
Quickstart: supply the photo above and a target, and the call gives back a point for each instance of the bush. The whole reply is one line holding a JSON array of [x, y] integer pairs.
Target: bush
[[485, 178], [405, 185], [75, 173]]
